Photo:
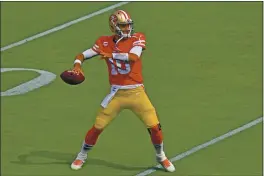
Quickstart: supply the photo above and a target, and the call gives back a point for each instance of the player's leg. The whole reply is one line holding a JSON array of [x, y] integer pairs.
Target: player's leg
[[104, 117], [144, 109]]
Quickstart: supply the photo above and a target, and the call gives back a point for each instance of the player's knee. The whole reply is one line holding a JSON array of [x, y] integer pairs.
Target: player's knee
[[100, 123], [102, 120], [150, 118]]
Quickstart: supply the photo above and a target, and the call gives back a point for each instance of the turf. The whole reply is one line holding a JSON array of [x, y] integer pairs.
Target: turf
[[202, 70], [219, 159], [23, 19]]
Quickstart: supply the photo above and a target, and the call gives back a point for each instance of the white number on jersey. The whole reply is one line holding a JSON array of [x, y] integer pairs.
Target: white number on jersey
[[117, 69]]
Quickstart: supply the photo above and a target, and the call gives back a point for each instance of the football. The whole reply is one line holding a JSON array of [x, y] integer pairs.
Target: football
[[72, 78]]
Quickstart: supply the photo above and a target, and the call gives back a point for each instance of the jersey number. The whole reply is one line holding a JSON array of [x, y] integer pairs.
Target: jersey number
[[117, 69]]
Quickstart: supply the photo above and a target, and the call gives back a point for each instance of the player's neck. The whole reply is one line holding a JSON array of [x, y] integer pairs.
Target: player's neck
[[116, 38]]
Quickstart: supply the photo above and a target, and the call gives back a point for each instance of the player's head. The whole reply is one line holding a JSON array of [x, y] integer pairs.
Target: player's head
[[121, 24]]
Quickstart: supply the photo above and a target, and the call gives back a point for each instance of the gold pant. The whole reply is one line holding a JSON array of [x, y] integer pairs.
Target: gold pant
[[134, 99]]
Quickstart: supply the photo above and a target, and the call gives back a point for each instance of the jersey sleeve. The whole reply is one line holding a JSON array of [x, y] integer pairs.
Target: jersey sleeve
[[140, 40], [89, 53], [136, 50], [97, 47]]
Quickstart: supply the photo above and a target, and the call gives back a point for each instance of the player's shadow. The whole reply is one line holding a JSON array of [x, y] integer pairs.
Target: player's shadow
[[66, 158]]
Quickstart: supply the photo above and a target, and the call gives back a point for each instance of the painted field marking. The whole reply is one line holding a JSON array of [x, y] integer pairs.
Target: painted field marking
[[204, 145], [43, 79], [65, 25]]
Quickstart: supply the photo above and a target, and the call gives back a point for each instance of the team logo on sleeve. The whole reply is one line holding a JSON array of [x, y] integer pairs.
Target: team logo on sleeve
[[105, 44]]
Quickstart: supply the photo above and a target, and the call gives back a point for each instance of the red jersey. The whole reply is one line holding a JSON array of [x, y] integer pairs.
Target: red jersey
[[122, 72]]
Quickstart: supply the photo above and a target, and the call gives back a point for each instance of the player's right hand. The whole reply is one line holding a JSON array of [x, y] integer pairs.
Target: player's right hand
[[77, 69]]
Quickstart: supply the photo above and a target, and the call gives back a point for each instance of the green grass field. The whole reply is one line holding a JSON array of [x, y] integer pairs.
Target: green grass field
[[202, 70]]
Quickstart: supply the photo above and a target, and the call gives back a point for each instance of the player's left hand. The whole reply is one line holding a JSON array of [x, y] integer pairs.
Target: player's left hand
[[105, 55]]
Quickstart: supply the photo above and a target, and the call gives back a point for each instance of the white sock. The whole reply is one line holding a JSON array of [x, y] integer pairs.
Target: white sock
[[159, 148], [161, 156], [85, 148]]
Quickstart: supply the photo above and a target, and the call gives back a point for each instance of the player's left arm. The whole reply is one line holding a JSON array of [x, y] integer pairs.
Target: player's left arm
[[133, 55]]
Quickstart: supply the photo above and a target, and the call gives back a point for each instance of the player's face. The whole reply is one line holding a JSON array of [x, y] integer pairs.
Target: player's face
[[125, 28]]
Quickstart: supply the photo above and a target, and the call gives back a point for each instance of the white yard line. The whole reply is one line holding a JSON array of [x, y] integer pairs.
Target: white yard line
[[65, 25], [204, 145]]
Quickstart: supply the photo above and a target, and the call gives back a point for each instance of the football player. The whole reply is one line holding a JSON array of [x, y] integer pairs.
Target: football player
[[122, 53]]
